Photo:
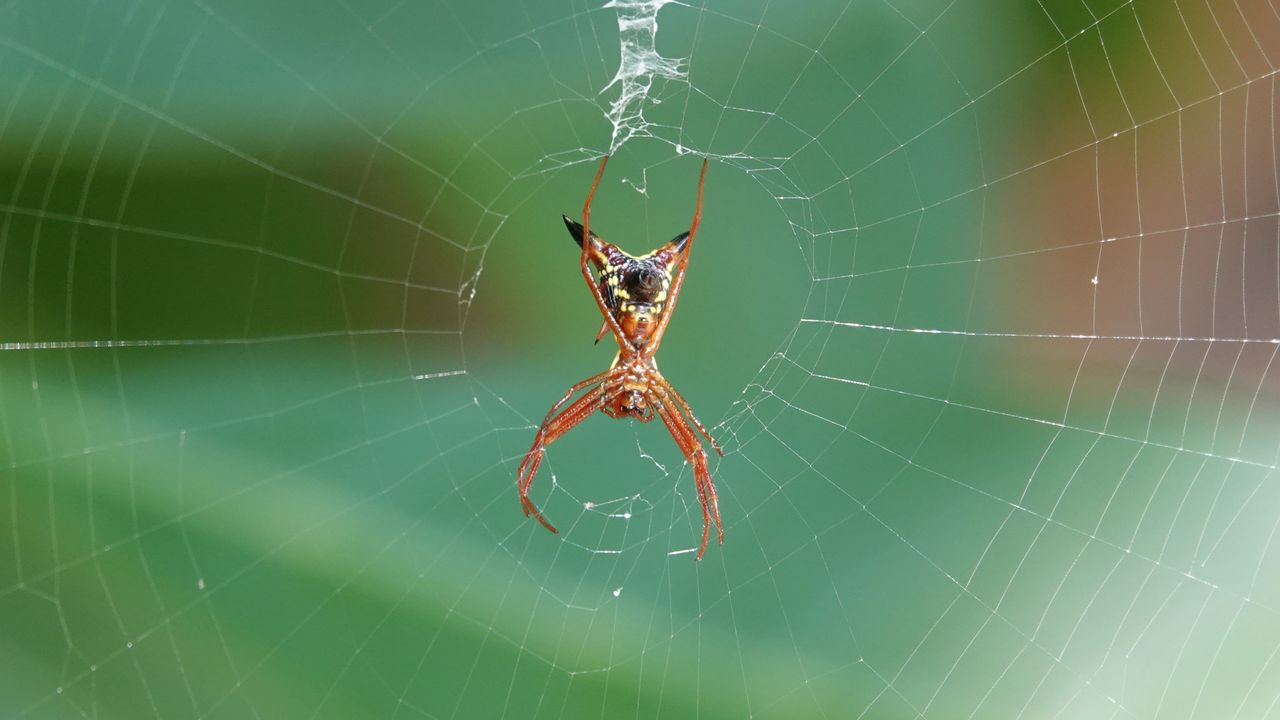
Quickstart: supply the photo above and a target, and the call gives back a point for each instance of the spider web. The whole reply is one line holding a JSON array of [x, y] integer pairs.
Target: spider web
[[984, 310]]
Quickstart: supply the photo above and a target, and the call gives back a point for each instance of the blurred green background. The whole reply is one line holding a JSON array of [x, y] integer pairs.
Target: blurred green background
[[983, 309]]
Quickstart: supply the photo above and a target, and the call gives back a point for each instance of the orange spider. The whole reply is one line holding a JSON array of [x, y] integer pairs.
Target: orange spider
[[636, 296]]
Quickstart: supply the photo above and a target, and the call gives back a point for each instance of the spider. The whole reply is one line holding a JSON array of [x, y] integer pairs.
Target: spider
[[636, 296]]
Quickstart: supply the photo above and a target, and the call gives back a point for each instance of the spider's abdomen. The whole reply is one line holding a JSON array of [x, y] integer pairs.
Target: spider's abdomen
[[635, 289]]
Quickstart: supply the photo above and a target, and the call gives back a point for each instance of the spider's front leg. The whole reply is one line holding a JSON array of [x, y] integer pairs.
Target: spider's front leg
[[553, 426], [697, 457], [684, 405]]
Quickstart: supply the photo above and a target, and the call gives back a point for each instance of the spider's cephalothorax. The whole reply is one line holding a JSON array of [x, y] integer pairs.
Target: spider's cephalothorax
[[635, 296]]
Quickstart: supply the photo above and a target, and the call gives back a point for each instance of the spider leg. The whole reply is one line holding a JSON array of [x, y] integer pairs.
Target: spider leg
[[684, 405], [538, 438], [587, 247], [656, 339], [577, 387], [551, 429], [693, 452]]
